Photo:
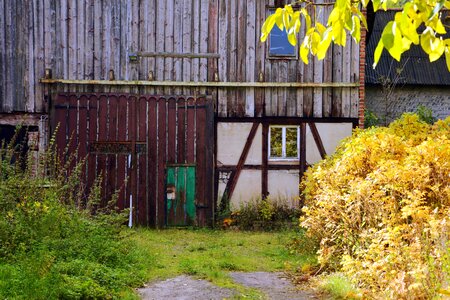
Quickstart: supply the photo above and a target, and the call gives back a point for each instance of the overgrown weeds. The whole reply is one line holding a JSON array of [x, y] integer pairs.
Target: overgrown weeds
[[55, 243]]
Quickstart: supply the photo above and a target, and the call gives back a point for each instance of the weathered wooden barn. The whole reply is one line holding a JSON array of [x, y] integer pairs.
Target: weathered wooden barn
[[178, 97]]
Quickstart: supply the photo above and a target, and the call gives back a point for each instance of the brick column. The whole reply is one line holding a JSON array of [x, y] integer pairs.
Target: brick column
[[362, 66]]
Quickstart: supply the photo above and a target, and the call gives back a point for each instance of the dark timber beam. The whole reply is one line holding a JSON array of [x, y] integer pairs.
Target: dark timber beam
[[317, 139], [265, 158], [231, 184], [302, 156]]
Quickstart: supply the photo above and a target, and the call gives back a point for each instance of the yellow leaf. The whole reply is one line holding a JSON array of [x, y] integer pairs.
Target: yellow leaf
[[304, 51], [292, 39], [356, 30], [378, 52], [267, 27], [447, 57]]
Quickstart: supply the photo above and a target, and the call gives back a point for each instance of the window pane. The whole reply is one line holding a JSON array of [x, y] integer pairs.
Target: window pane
[[279, 44], [291, 142], [275, 141]]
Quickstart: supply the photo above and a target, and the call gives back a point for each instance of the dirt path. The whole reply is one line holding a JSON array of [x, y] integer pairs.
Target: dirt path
[[272, 285]]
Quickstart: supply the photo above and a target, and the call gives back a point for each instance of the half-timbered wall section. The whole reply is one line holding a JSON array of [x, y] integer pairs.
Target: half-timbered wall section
[[272, 116]]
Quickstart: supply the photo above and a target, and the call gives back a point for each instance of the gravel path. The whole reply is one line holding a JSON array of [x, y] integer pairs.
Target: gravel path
[[273, 285]]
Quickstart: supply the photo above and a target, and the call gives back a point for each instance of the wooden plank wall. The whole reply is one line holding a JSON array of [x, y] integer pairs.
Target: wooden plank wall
[[84, 40]]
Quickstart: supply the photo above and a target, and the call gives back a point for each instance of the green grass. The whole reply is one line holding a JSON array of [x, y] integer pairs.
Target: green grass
[[212, 254], [339, 287]]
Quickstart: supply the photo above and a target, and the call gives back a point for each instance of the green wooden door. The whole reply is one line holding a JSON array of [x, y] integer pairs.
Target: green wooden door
[[180, 195]]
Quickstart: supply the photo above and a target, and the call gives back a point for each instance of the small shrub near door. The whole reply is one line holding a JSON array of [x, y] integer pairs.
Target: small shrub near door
[[266, 214], [380, 207]]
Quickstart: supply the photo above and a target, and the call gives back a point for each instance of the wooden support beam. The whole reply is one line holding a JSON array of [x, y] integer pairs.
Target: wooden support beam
[[265, 158], [317, 139], [231, 184], [202, 83], [302, 156], [14, 119]]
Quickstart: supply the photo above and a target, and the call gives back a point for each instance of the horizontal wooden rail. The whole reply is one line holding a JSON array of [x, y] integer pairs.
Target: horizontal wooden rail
[[204, 83], [174, 54]]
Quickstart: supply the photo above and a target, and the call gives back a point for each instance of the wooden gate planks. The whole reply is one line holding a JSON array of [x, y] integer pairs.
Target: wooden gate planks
[[129, 140]]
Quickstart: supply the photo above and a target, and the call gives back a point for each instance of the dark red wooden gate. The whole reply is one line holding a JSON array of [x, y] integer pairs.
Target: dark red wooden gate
[[130, 140]]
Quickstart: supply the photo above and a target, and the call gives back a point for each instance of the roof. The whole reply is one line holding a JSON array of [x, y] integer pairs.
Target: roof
[[414, 67]]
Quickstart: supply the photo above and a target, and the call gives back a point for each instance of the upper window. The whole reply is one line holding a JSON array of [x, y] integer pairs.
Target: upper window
[[284, 142], [279, 45]]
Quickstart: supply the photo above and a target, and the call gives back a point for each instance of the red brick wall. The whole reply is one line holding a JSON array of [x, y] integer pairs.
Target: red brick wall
[[362, 66]]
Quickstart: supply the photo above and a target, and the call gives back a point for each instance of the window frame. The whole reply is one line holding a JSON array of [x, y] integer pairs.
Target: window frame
[[283, 144], [271, 10]]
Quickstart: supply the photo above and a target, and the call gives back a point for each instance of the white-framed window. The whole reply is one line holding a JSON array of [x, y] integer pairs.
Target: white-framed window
[[279, 45], [284, 142]]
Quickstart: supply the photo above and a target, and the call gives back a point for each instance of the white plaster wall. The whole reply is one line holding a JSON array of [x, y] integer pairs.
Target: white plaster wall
[[231, 138], [247, 188], [283, 184]]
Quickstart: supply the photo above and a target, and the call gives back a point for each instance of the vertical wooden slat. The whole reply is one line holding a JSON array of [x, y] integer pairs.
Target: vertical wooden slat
[[160, 36], [92, 137], [161, 160], [195, 38], [260, 56], [83, 132], [181, 136], [241, 55], [152, 169], [10, 11], [106, 38], [190, 131], [142, 188], [250, 57], [178, 43], [273, 110], [38, 28], [146, 37], [203, 41], [122, 160], [232, 57], [113, 124], [336, 107], [81, 32], [72, 39], [89, 40], [3, 53], [102, 136], [346, 75], [169, 43], [172, 130], [282, 93], [222, 64], [98, 41], [209, 164], [187, 43]]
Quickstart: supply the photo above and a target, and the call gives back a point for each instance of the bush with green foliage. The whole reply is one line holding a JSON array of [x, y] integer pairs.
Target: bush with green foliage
[[51, 245], [265, 214], [380, 207]]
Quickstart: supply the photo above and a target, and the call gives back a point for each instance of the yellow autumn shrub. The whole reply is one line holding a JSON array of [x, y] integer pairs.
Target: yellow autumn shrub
[[380, 207]]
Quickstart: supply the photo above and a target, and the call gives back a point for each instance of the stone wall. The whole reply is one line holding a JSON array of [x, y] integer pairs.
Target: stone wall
[[407, 99]]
